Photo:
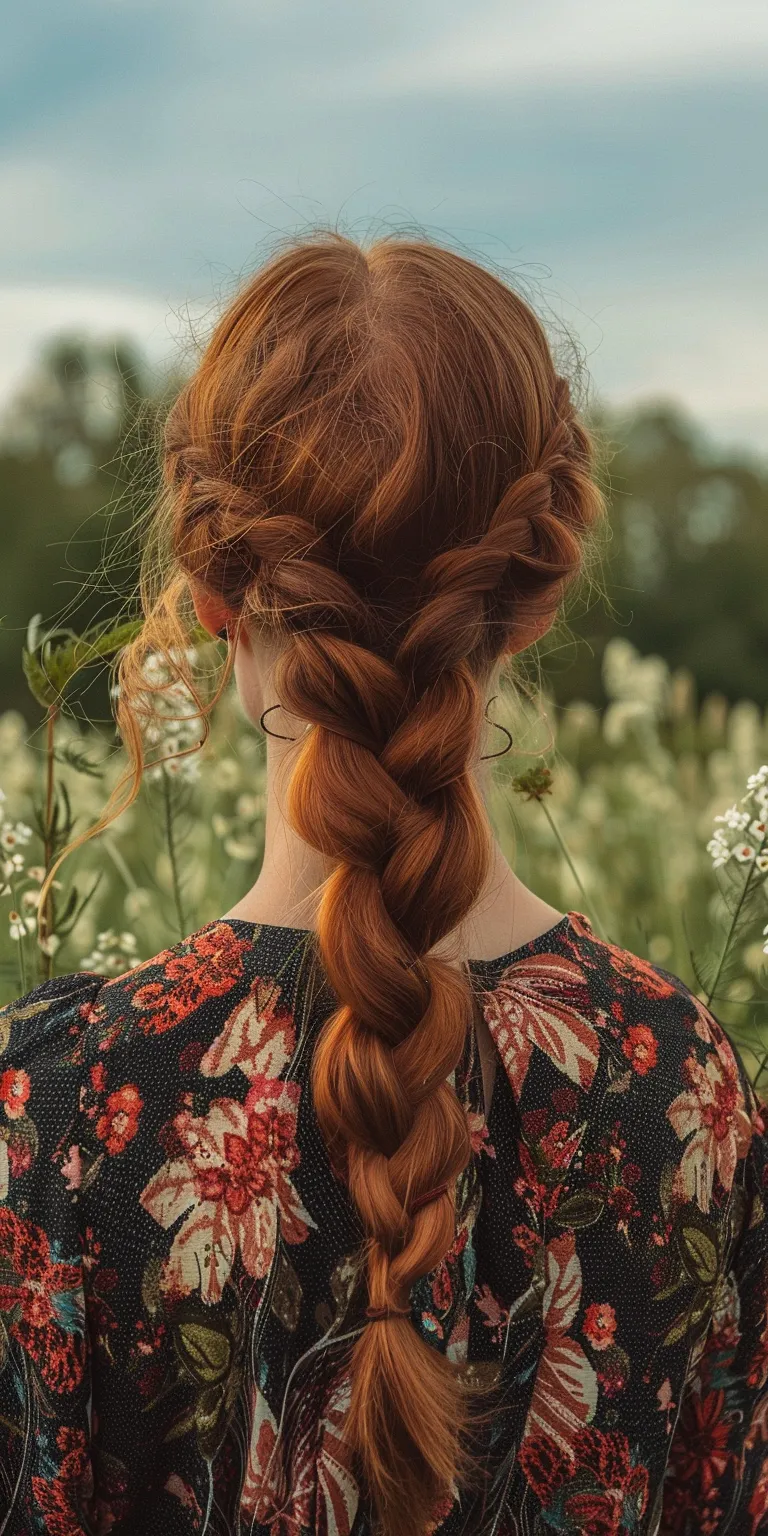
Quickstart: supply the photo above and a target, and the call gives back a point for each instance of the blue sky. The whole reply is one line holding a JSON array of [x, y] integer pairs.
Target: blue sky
[[611, 156]]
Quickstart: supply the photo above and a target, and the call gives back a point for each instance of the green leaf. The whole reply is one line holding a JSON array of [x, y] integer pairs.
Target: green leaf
[[698, 1250], [672, 1288], [61, 654], [678, 1330], [208, 1416], [29, 1011], [183, 1426], [205, 1351], [580, 1210]]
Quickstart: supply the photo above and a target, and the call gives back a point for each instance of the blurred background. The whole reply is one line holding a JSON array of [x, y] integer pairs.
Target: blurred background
[[610, 159], [607, 159]]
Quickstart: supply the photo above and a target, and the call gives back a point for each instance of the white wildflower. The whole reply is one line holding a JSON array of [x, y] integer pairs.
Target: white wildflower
[[743, 852], [735, 818], [19, 926], [13, 835], [113, 954]]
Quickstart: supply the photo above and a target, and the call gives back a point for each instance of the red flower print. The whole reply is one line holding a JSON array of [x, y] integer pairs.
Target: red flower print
[[701, 1454], [45, 1299], [617, 1498], [60, 1498], [559, 1146], [758, 1503], [621, 1487], [14, 1092], [208, 964], [232, 1183], [19, 1156], [543, 1002], [713, 1114], [258, 1036], [534, 1123], [639, 972], [98, 1076], [494, 1313], [565, 1102], [640, 1048], [318, 1484], [527, 1241], [613, 1372], [442, 1290], [622, 1201], [119, 1121], [478, 1134], [599, 1324], [545, 1467], [565, 1389], [191, 1056]]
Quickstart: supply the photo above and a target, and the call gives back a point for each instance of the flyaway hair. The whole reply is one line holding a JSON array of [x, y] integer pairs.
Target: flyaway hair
[[377, 461]]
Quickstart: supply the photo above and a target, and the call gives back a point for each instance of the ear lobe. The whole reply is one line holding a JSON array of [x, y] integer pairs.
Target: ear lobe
[[211, 612]]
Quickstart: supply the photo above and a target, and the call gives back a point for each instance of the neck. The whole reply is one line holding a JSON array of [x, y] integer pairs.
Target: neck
[[287, 891]]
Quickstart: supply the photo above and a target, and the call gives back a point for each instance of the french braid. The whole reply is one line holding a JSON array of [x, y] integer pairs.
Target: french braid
[[377, 460]]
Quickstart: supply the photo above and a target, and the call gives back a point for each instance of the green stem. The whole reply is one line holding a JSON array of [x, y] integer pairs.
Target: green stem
[[172, 855], [119, 861], [731, 930], [47, 923], [22, 966], [569, 861]]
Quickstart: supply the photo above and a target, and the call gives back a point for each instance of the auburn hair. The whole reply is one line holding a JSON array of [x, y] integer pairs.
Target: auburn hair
[[377, 459]]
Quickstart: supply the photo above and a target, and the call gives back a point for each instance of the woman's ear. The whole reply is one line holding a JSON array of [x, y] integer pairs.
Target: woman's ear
[[211, 612]]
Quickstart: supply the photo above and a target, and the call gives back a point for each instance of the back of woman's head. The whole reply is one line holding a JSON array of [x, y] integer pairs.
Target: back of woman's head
[[376, 461]]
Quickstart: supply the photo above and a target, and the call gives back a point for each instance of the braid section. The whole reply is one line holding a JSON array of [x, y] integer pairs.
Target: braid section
[[410, 834]]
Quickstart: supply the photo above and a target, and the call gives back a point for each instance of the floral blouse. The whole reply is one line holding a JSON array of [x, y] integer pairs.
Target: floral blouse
[[179, 1274]]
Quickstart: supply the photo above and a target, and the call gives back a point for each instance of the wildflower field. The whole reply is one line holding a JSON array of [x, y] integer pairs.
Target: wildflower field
[[649, 816]]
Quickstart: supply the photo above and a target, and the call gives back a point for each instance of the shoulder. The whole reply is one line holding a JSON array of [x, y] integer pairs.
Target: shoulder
[[41, 1037], [33, 1026], [649, 1071]]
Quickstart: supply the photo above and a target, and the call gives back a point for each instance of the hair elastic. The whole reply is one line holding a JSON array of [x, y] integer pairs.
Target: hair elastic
[[377, 1314], [426, 1199]]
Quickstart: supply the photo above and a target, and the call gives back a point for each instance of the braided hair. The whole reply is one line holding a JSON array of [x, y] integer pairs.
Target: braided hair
[[377, 461]]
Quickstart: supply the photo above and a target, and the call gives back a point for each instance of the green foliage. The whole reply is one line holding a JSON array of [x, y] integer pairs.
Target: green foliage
[[610, 812]]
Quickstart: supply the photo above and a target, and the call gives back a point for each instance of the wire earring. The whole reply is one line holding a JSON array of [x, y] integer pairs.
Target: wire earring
[[497, 727], [266, 729]]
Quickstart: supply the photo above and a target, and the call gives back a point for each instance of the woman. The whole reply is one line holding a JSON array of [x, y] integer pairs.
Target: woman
[[394, 1199]]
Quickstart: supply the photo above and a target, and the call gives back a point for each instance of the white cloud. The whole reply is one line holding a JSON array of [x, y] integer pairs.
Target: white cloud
[[530, 43]]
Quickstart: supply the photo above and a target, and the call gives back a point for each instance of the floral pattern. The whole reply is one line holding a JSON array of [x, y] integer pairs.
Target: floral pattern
[[180, 1278]]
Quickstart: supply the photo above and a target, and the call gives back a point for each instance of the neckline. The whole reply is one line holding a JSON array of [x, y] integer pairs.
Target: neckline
[[563, 928]]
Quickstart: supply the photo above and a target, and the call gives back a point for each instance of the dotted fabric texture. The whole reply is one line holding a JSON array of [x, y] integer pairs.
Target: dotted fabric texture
[[179, 1265]]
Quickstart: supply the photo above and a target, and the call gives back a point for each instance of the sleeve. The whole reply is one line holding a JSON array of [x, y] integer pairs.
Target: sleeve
[[44, 1355], [718, 1468], [647, 1408]]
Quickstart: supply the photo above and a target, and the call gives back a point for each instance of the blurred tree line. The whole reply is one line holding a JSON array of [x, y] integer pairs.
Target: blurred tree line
[[683, 572]]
